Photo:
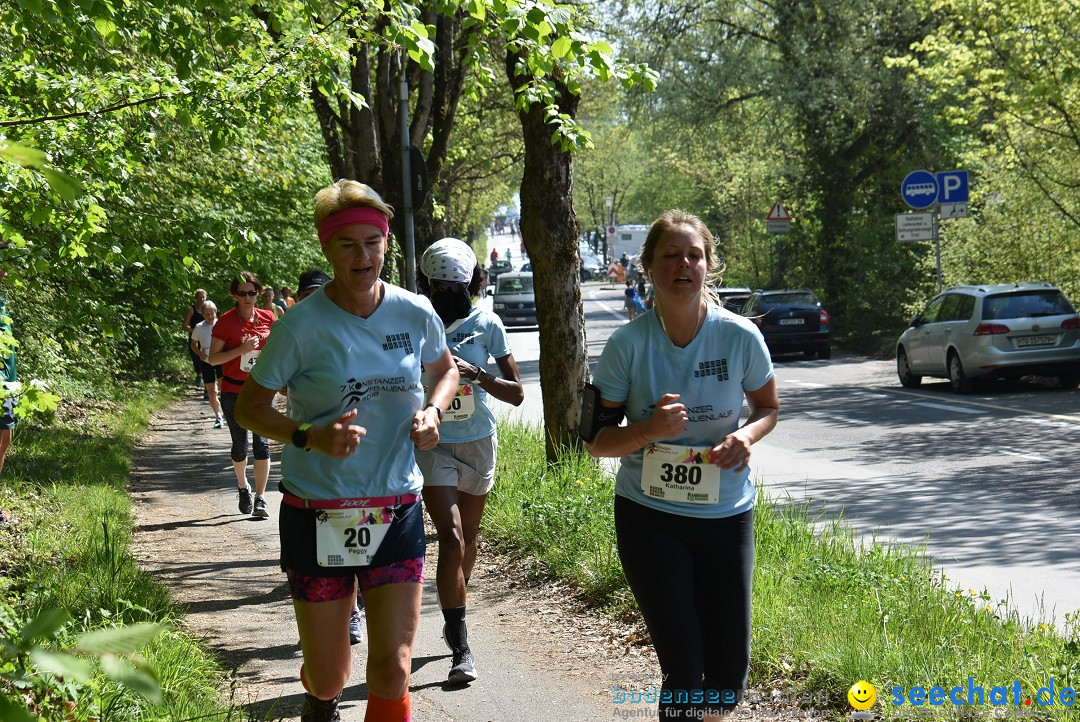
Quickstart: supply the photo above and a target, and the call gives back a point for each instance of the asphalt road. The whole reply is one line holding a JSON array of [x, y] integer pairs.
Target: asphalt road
[[989, 482]]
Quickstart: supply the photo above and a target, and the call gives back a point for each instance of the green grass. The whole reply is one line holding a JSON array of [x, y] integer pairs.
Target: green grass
[[828, 610], [66, 484]]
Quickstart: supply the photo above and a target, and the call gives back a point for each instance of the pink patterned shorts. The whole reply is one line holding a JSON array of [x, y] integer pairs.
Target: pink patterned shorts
[[306, 588]]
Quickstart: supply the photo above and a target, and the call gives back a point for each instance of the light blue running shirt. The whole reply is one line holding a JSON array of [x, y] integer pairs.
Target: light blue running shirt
[[639, 364], [333, 361], [479, 337]]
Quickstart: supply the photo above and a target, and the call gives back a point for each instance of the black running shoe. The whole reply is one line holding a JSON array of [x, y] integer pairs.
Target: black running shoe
[[356, 626], [462, 666], [320, 710], [245, 500], [259, 511]]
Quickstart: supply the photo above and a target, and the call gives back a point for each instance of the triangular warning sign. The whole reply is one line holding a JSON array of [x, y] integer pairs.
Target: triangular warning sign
[[778, 213]]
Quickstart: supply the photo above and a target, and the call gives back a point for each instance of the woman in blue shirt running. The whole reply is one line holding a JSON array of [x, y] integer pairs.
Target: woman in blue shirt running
[[351, 356], [684, 501]]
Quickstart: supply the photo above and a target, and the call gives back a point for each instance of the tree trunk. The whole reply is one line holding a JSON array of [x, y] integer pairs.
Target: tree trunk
[[549, 229]]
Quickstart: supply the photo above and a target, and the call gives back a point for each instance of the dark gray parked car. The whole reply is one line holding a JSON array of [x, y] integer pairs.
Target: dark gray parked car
[[791, 320], [992, 331]]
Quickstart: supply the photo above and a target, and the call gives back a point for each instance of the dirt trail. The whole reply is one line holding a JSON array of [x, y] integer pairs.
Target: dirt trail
[[539, 659]]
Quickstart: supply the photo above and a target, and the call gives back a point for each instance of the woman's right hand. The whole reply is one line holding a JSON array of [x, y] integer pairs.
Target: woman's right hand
[[250, 343], [338, 439], [668, 420]]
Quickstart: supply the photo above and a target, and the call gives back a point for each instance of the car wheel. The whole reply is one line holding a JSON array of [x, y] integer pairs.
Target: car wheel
[[1070, 379], [824, 353], [903, 369], [961, 383]]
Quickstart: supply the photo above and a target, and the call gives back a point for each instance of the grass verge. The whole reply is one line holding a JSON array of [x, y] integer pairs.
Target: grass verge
[[70, 549], [829, 609]]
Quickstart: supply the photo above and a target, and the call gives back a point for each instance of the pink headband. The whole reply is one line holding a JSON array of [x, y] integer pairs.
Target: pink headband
[[350, 217]]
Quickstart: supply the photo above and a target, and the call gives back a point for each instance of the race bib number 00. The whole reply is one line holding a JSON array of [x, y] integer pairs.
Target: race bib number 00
[[247, 360], [349, 537], [463, 405], [680, 474]]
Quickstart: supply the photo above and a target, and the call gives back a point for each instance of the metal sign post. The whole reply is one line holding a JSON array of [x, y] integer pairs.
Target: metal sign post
[[944, 193]]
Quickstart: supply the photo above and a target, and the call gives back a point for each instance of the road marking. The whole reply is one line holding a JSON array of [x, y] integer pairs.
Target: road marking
[[1052, 423], [870, 395], [807, 384], [943, 407], [994, 407], [1012, 452], [619, 314], [832, 417]]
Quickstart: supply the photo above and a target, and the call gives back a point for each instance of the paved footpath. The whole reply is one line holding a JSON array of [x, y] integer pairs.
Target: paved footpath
[[223, 566]]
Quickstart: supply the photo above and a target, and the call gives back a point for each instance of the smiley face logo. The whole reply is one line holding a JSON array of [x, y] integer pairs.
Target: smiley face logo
[[862, 695]]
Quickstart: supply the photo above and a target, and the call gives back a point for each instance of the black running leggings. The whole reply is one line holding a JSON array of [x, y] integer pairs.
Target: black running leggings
[[691, 578], [260, 449]]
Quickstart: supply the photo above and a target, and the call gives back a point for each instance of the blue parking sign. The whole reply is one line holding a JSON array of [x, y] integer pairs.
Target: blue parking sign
[[919, 189], [952, 186]]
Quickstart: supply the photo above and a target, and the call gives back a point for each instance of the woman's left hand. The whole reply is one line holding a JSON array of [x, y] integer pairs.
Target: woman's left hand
[[465, 369], [425, 428], [731, 453]]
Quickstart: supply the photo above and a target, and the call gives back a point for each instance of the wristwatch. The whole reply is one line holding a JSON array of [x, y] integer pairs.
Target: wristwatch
[[299, 437], [437, 410], [482, 375]]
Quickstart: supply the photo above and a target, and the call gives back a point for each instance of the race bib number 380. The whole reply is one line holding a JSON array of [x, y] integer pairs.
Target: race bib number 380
[[680, 474], [463, 405], [349, 537]]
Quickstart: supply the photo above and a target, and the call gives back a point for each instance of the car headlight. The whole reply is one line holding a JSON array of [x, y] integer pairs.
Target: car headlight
[[499, 306]]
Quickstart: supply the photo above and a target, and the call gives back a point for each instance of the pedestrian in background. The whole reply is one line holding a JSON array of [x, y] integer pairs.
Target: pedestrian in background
[[192, 317], [683, 498], [235, 345], [201, 339], [9, 375], [460, 471], [310, 281]]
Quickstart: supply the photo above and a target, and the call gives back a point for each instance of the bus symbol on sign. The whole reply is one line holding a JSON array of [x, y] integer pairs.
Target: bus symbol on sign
[[919, 189]]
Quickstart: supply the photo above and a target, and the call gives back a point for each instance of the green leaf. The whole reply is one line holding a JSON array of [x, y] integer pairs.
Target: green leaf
[[217, 141], [119, 640], [561, 46], [62, 664], [10, 712], [137, 680], [23, 155], [44, 625], [477, 9], [62, 184], [105, 27]]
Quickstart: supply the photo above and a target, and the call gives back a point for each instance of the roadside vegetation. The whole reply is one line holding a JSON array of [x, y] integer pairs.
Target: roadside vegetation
[[829, 609], [68, 550]]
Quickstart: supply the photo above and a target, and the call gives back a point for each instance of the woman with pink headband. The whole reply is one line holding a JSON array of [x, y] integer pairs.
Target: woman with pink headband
[[351, 356]]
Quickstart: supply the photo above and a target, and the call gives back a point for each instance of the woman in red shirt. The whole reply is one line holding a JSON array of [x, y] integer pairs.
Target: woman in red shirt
[[239, 334]]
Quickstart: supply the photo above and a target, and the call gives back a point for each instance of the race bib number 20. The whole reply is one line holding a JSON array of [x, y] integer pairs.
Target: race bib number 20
[[349, 537], [680, 474]]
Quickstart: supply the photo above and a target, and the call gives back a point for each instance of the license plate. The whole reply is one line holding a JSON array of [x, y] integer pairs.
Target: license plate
[[1036, 340], [792, 321]]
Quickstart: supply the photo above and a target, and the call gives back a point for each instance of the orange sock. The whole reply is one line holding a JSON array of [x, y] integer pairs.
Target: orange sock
[[385, 710]]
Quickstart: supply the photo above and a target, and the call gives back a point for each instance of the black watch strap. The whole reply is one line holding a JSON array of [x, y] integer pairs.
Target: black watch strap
[[300, 436]]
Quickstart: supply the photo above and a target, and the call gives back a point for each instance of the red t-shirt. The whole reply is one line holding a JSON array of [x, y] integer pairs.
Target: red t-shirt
[[231, 329]]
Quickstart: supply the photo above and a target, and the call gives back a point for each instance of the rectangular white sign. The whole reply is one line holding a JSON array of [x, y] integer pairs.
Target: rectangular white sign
[[779, 226], [914, 227]]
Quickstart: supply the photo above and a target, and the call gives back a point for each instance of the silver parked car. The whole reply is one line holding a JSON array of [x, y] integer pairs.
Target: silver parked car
[[514, 302], [992, 331]]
